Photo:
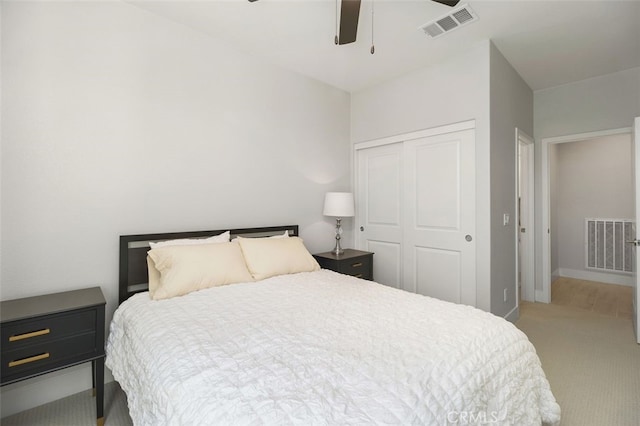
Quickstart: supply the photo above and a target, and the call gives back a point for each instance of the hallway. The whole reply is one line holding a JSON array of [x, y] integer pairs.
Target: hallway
[[605, 299]]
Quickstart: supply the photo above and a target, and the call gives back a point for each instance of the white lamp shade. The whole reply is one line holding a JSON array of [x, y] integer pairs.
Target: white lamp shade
[[339, 204]]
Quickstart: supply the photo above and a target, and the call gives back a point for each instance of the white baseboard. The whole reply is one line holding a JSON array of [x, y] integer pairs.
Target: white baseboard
[[602, 277], [513, 315]]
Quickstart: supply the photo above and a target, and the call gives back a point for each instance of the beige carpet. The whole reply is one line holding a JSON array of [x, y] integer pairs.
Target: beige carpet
[[605, 299], [76, 410], [591, 360]]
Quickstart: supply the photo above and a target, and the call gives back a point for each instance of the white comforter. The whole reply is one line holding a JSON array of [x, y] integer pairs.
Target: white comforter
[[322, 348]]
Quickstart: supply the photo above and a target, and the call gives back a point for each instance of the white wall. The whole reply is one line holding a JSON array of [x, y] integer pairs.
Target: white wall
[[600, 103], [116, 121], [594, 179], [511, 102], [450, 92]]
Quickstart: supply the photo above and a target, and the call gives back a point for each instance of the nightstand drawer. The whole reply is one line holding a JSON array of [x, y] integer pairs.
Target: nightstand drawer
[[43, 334], [357, 263], [358, 267], [24, 333], [33, 359]]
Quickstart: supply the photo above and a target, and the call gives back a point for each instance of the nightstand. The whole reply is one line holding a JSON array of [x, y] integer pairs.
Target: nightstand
[[43, 334], [352, 262]]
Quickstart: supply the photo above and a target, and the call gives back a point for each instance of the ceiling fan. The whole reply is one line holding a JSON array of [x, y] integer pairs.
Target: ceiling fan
[[349, 14]]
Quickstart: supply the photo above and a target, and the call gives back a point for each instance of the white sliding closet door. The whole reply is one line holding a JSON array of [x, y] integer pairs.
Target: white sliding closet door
[[439, 218], [416, 201], [379, 197]]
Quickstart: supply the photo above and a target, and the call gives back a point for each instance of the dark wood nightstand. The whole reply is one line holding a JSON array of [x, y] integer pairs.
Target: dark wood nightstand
[[43, 334], [352, 262]]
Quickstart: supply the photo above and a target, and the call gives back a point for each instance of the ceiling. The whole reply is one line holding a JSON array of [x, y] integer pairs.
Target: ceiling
[[549, 43]]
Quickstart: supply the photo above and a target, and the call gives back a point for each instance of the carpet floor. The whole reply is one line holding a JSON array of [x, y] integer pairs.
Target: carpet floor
[[606, 299], [76, 410], [591, 360]]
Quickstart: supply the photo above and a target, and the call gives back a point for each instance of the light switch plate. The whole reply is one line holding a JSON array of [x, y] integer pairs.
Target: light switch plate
[[505, 219]]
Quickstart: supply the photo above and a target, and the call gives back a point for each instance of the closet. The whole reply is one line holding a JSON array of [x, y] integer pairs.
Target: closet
[[415, 196]]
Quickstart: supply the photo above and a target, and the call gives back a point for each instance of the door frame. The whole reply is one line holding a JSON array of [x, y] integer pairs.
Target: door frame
[[439, 130], [635, 139], [528, 250], [544, 234]]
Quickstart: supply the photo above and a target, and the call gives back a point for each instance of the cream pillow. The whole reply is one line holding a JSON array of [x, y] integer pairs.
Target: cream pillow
[[184, 269], [220, 238], [268, 257], [154, 276], [152, 272], [284, 235]]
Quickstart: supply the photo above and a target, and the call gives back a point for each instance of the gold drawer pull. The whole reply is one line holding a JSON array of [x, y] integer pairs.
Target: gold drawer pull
[[28, 335], [30, 359], [356, 265]]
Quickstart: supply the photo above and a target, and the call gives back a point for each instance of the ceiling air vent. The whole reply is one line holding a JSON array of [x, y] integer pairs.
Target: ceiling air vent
[[456, 18]]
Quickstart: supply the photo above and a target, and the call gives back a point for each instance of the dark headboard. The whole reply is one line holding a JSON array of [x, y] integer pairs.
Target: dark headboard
[[133, 253]]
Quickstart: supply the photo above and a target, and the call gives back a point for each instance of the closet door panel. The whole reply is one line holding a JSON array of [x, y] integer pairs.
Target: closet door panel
[[437, 191], [379, 214], [383, 183], [439, 219], [438, 273], [387, 262]]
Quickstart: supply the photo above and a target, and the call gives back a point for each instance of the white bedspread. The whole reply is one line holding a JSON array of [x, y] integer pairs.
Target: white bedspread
[[322, 348]]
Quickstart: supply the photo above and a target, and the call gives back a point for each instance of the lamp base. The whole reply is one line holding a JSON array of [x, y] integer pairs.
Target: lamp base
[[338, 250]]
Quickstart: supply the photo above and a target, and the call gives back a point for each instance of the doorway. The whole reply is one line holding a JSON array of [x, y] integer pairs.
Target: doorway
[[525, 244], [550, 222]]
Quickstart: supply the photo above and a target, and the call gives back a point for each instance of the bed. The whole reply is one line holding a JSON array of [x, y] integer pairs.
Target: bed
[[314, 348]]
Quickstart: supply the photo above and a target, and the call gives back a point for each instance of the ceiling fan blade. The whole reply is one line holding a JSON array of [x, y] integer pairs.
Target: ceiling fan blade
[[349, 14], [445, 2]]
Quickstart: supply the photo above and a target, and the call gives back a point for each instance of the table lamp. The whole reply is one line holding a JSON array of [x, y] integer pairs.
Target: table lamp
[[338, 205]]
